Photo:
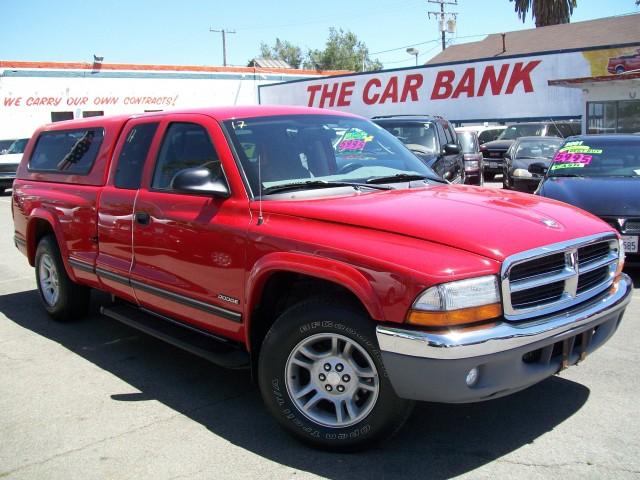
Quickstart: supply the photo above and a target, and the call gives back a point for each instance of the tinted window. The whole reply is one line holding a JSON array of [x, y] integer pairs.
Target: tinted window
[[133, 154], [468, 142], [296, 149], [18, 146], [69, 151], [597, 157], [543, 148], [489, 135], [517, 131], [185, 145], [423, 134]]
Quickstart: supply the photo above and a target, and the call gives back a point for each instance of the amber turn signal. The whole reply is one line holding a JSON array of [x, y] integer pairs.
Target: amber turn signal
[[454, 317]]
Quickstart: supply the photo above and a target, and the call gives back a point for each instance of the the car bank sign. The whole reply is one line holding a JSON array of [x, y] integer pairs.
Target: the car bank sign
[[505, 88]]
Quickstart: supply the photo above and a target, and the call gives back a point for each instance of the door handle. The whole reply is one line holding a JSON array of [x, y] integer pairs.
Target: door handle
[[142, 218]]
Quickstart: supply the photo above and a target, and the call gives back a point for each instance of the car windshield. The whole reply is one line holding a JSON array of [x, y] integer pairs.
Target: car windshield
[[517, 131], [543, 148], [468, 142], [18, 146], [597, 157], [415, 134], [316, 150]]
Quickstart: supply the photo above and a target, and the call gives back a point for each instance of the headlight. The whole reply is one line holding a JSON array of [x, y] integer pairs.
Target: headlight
[[471, 165], [456, 303], [522, 173]]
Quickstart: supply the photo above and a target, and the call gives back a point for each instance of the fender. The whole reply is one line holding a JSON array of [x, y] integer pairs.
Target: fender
[[330, 270], [40, 213]]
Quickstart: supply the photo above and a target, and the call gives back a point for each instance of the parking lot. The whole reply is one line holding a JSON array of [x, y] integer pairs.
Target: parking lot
[[97, 399]]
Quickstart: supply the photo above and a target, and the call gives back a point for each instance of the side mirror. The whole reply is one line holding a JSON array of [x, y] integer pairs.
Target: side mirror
[[451, 149], [538, 168], [199, 180]]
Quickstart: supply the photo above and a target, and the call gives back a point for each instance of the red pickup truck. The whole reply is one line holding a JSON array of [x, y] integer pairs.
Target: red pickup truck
[[312, 247]]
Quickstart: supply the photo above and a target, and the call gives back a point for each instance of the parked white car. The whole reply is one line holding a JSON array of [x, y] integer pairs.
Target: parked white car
[[9, 162]]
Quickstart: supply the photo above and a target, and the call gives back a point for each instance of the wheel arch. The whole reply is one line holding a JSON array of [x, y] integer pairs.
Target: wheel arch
[[42, 223], [279, 279]]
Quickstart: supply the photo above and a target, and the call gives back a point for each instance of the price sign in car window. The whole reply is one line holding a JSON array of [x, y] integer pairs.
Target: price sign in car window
[[354, 141]]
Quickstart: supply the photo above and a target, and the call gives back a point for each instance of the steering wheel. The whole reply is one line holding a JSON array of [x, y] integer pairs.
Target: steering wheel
[[350, 167]]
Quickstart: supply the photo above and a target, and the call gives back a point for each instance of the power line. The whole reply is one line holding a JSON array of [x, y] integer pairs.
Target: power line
[[406, 46], [442, 14]]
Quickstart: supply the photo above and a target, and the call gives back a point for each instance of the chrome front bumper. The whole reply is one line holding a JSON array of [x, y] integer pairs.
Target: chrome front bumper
[[433, 366]]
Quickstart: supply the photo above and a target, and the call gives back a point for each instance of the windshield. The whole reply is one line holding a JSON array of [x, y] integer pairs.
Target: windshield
[[468, 142], [318, 148], [412, 134], [18, 146], [517, 131], [543, 148], [597, 157]]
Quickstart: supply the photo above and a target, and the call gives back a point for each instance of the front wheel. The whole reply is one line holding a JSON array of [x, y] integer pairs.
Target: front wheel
[[63, 299], [322, 377]]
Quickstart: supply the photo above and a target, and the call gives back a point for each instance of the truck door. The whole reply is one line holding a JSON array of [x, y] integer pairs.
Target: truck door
[[190, 248], [115, 207]]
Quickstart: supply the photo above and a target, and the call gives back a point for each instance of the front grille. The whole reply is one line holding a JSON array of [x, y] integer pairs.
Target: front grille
[[628, 227], [8, 167], [556, 277], [632, 227]]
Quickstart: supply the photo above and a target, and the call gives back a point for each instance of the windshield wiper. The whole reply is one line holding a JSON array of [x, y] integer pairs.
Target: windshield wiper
[[566, 175], [399, 177], [319, 184]]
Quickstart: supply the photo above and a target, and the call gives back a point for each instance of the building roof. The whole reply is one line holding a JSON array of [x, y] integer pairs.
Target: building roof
[[268, 63], [9, 64], [603, 32]]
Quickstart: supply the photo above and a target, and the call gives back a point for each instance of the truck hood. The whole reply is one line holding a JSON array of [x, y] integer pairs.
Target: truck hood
[[602, 196], [10, 159], [485, 221]]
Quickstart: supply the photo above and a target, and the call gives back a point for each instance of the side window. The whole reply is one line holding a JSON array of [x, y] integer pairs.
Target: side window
[[67, 151], [185, 145], [133, 154]]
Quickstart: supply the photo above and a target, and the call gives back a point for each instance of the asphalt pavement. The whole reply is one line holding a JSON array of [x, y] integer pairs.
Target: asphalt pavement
[[97, 399]]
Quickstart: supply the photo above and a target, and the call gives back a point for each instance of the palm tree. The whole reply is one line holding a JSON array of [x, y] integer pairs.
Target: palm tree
[[546, 12]]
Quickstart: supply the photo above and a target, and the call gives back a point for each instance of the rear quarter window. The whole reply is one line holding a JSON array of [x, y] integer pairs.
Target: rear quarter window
[[66, 151]]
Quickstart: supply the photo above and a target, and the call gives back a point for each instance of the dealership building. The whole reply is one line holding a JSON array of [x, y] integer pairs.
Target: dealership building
[[557, 72], [35, 93]]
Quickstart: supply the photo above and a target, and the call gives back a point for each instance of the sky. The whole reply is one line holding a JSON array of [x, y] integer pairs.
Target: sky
[[178, 32]]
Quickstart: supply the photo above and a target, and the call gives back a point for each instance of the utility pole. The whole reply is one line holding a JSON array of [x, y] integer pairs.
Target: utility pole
[[224, 43], [443, 15]]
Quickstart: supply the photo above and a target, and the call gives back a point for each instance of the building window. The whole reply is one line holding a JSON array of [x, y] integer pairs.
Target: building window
[[61, 116], [92, 113], [613, 117]]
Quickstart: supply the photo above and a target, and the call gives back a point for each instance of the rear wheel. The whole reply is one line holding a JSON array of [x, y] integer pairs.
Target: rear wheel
[[63, 299], [322, 377], [488, 177], [619, 69]]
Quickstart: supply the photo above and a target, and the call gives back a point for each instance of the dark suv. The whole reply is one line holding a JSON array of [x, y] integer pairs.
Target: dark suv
[[432, 139], [493, 152]]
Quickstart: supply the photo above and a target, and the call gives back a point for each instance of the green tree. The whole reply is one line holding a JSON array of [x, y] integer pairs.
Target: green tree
[[343, 51], [545, 12], [282, 50]]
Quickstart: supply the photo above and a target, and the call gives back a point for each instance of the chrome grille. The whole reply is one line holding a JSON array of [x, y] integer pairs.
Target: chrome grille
[[632, 227], [8, 167], [559, 276]]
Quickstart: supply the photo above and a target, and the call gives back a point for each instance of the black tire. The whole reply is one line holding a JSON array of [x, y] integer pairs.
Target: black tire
[[63, 299], [619, 69], [382, 414], [488, 177], [505, 182]]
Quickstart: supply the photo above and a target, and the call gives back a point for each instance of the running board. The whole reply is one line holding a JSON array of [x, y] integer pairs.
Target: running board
[[188, 338]]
